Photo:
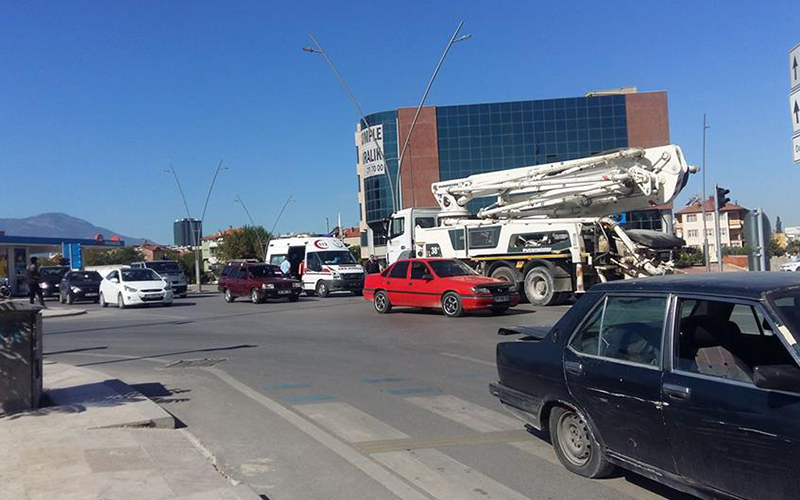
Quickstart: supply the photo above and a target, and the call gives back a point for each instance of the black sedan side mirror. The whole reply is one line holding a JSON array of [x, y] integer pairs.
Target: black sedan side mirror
[[777, 377]]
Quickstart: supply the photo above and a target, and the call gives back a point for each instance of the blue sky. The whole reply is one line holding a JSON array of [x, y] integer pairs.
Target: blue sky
[[97, 98]]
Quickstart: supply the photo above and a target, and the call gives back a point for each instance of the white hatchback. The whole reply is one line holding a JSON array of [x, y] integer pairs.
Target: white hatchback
[[126, 286]]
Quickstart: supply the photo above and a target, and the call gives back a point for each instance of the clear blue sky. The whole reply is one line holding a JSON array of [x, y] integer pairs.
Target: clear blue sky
[[96, 98]]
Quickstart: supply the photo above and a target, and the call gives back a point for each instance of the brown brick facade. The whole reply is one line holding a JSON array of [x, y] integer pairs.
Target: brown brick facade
[[420, 166], [648, 119]]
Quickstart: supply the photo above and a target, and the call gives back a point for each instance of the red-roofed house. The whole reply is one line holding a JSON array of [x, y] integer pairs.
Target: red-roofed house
[[689, 225]]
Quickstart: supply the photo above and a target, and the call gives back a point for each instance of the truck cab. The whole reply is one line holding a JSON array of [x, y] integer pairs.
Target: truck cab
[[401, 230], [323, 264], [170, 270]]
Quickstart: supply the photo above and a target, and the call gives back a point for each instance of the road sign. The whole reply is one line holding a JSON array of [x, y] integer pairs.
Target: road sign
[[796, 149], [794, 109], [794, 67]]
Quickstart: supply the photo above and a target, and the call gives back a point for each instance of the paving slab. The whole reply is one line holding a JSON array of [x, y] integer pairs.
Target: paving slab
[[101, 439]]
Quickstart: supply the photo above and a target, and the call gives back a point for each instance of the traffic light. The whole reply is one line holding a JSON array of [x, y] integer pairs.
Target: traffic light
[[722, 196]]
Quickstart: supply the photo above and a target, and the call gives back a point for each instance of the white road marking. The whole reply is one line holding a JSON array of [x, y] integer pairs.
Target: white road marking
[[467, 358], [375, 471], [349, 423], [445, 478], [469, 414]]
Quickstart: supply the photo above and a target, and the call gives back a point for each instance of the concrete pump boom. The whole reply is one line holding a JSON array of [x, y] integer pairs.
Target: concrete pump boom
[[621, 181]]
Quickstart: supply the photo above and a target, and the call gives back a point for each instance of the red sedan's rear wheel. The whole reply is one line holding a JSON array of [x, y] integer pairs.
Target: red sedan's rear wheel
[[381, 302], [451, 305]]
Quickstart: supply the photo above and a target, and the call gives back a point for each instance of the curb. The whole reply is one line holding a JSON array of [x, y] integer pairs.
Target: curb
[[61, 313]]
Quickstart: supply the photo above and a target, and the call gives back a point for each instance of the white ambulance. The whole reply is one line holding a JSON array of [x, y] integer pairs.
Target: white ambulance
[[323, 264]]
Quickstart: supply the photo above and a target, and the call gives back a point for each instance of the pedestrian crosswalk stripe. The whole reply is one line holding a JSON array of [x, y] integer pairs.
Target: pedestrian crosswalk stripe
[[469, 414], [445, 478], [349, 423]]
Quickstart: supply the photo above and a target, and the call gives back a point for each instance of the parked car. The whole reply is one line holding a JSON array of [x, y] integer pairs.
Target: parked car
[[257, 281], [125, 287], [168, 269], [692, 381], [80, 285], [793, 266], [50, 279], [448, 284]]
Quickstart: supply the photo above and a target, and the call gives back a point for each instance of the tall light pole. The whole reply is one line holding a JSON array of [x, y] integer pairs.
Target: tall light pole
[[364, 123], [196, 229], [453, 39], [703, 204], [240, 201]]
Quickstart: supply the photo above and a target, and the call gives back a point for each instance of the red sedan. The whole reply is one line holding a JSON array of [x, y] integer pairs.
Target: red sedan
[[446, 283]]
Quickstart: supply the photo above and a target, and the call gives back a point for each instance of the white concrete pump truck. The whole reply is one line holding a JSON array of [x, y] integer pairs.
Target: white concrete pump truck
[[549, 230]]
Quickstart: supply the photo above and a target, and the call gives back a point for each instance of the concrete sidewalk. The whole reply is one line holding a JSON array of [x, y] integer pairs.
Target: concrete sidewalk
[[53, 311], [101, 439]]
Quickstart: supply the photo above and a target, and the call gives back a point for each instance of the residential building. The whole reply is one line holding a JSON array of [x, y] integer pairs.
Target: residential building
[[451, 142], [210, 248], [689, 225]]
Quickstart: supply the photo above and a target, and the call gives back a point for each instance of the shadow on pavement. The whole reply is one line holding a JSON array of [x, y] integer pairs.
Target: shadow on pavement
[[160, 394], [136, 358], [70, 351]]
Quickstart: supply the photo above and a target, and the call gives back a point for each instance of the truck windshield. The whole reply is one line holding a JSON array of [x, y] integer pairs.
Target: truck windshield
[[335, 257], [164, 267], [787, 305], [449, 268]]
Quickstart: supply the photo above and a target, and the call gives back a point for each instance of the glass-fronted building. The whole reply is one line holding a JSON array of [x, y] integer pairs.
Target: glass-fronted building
[[451, 142]]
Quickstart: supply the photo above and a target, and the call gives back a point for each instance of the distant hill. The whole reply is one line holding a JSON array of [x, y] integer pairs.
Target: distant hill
[[54, 225]]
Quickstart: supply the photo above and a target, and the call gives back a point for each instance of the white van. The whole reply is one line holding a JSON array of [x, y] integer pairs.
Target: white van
[[322, 263]]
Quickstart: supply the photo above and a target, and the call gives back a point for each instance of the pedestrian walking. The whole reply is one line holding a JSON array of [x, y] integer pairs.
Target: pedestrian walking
[[372, 266], [32, 277]]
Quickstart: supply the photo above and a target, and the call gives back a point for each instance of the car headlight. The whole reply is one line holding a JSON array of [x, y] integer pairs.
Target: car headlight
[[130, 289], [44, 285], [75, 289], [268, 286], [167, 285], [336, 275], [481, 290], [296, 284]]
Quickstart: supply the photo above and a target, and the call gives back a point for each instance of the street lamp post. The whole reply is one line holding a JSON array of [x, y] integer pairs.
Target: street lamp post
[[364, 123], [196, 228], [453, 39], [703, 203], [240, 201]]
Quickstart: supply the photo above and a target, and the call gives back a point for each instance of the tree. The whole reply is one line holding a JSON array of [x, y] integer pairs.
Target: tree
[[689, 257], [774, 248], [109, 256], [247, 243], [793, 247]]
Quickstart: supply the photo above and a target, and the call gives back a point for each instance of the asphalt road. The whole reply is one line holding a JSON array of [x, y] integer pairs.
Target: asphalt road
[[326, 399]]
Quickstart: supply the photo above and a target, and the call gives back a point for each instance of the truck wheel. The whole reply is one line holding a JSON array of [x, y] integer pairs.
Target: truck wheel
[[451, 305], [228, 295], [507, 274], [322, 289], [575, 444], [381, 302], [539, 286]]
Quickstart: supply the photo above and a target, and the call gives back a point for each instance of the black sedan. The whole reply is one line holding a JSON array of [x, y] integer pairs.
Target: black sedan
[[80, 285], [50, 279], [692, 381]]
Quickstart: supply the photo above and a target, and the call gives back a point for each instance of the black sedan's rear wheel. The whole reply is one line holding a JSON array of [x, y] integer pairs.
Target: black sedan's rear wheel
[[381, 302], [575, 444]]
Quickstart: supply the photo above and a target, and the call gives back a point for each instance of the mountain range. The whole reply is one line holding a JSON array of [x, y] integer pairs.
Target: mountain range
[[55, 225]]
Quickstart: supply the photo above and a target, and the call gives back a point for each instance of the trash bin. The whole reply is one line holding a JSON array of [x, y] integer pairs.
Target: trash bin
[[20, 356]]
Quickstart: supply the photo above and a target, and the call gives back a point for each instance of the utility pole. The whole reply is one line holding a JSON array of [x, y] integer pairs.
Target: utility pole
[[703, 203]]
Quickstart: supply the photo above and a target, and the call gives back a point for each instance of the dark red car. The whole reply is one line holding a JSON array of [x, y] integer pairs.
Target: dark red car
[[433, 283], [258, 282]]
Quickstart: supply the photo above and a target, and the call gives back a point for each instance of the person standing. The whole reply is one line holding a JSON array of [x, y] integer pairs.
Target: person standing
[[372, 266], [32, 277]]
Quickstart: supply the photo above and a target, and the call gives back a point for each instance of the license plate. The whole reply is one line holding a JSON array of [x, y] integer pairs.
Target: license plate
[[501, 298], [152, 296], [284, 292], [91, 294]]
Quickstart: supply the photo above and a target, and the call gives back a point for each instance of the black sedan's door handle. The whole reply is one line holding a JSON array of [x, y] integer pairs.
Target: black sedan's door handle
[[574, 367], [676, 391]]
